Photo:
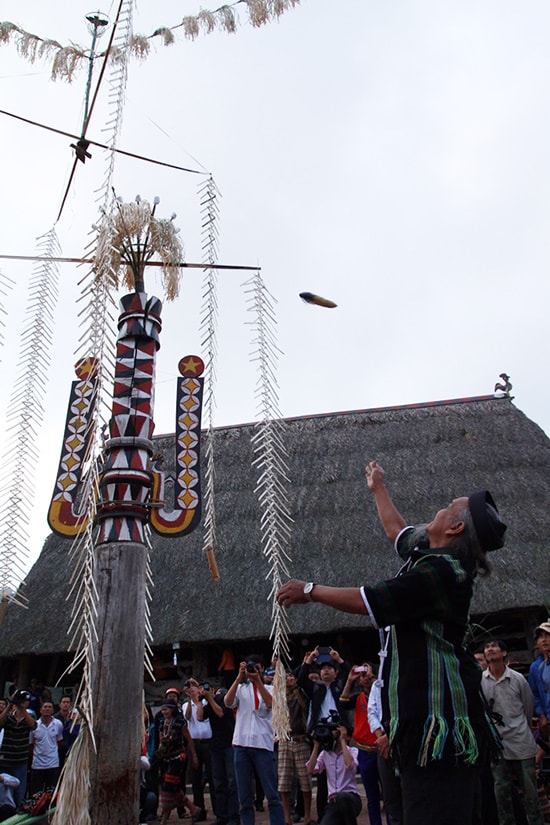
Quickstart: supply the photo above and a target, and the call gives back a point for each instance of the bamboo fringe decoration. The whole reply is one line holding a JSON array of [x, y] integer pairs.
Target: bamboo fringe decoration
[[97, 341], [68, 59], [208, 195], [280, 715], [24, 418], [73, 787], [271, 463], [149, 584], [5, 285]]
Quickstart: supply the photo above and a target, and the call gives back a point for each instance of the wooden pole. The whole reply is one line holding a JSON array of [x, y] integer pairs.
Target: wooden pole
[[118, 684], [120, 558]]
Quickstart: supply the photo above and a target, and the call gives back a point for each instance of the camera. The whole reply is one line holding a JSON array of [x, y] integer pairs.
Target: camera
[[324, 730], [251, 667], [323, 656], [206, 686]]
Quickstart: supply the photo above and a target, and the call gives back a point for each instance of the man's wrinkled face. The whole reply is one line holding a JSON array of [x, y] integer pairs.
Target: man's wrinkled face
[[543, 642], [448, 516]]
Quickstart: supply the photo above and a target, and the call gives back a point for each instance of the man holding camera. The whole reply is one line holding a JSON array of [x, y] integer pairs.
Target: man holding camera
[[324, 696], [16, 722], [333, 758], [253, 746]]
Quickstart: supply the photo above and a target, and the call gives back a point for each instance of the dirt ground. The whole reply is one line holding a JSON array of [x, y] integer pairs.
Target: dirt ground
[[263, 817]]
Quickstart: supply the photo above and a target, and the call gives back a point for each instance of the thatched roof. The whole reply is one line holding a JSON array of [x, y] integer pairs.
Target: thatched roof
[[431, 453]]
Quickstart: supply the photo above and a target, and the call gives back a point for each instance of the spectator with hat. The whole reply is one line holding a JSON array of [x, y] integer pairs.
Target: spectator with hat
[[17, 724], [432, 708]]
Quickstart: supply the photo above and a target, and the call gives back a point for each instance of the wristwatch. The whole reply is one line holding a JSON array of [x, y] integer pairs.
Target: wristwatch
[[308, 589]]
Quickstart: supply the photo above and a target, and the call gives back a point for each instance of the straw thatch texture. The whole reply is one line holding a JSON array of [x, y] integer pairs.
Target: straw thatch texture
[[431, 454]]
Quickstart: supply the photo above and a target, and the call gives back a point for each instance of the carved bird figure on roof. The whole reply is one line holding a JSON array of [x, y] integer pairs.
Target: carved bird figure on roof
[[506, 387]]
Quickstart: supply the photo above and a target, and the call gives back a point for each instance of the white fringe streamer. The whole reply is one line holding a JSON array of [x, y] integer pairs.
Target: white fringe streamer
[[24, 418], [271, 460], [209, 194], [5, 285]]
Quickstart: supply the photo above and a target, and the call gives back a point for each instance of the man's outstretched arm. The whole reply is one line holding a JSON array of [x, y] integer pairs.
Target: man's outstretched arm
[[347, 599], [391, 519]]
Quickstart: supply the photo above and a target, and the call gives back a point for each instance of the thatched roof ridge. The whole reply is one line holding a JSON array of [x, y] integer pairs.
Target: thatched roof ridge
[[431, 453]]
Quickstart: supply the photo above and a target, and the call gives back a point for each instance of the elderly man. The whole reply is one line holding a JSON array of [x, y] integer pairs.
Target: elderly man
[[432, 708]]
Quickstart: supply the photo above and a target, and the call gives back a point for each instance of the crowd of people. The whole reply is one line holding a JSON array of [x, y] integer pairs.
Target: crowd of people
[[436, 734], [35, 739]]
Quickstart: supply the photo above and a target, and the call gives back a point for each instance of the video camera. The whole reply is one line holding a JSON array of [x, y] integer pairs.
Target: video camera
[[324, 730], [20, 697]]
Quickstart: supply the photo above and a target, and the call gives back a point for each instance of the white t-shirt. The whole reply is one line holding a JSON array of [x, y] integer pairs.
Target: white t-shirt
[[253, 726], [45, 739], [197, 728]]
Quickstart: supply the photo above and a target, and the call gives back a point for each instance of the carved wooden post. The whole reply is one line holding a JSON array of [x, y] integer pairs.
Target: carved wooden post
[[117, 683]]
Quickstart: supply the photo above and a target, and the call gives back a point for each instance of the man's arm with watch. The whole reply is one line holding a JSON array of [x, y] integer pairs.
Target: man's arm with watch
[[347, 599]]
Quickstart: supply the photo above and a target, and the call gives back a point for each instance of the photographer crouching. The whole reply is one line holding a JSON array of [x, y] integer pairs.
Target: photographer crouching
[[331, 754]]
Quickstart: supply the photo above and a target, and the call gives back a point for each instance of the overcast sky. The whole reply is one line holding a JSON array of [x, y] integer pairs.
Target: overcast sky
[[392, 156]]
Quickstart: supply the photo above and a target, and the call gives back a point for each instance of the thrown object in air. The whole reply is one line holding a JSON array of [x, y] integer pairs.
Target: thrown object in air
[[311, 298]]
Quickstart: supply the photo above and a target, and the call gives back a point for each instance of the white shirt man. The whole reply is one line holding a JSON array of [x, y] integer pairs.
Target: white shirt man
[[511, 701], [45, 739], [253, 741]]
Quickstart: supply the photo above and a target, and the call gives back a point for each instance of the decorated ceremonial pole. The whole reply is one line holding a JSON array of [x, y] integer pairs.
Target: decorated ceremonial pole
[[128, 494], [121, 561]]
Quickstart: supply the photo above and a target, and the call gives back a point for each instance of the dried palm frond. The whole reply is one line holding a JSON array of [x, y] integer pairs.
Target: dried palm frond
[[207, 20], [6, 31], [258, 12], [72, 802], [132, 236], [68, 58], [140, 46], [228, 20], [66, 61], [27, 45], [190, 27]]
